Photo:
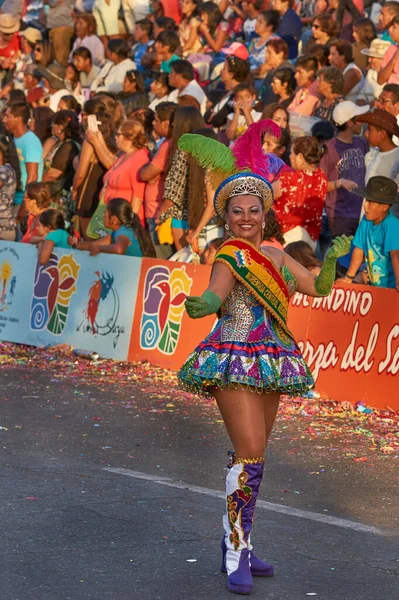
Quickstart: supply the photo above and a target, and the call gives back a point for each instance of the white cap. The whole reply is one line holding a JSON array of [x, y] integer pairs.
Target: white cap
[[347, 110]]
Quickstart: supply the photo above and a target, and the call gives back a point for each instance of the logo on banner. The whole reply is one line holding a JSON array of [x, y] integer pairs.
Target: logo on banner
[[164, 294], [54, 285], [102, 308], [7, 285]]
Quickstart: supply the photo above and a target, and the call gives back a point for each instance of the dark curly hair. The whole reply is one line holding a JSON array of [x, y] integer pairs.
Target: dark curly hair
[[238, 67], [69, 120], [311, 148]]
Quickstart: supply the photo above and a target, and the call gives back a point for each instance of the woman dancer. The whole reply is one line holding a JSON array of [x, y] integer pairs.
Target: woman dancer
[[250, 357]]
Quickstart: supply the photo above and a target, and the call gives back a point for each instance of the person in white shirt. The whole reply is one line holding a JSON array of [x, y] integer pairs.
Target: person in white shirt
[[181, 77], [85, 29], [371, 88], [134, 10], [113, 72]]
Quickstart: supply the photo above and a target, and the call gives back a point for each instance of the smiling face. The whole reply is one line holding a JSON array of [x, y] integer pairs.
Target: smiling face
[[245, 217]]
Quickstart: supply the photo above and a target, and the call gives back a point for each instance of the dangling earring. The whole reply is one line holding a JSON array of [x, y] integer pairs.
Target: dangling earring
[[227, 228], [263, 225]]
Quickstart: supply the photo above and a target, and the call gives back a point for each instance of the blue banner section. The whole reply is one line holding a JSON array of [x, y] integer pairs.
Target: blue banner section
[[76, 299]]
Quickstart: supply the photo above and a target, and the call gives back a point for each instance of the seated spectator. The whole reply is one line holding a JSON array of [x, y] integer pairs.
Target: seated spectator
[[341, 56], [244, 113], [31, 79], [299, 195], [320, 53], [43, 53], [290, 26], [112, 105], [251, 10], [345, 168], [383, 156], [9, 43], [188, 101], [160, 89], [69, 103], [371, 88], [266, 25], [389, 72], [143, 39], [83, 63], [9, 181], [331, 86], [28, 38], [208, 255], [276, 58], [188, 28], [154, 172], [128, 236], [388, 12], [278, 114], [323, 130], [112, 74], [305, 99], [363, 33], [181, 77], [324, 31], [163, 24], [279, 146], [235, 71], [377, 238], [53, 83], [86, 29], [133, 88], [283, 85], [303, 253], [41, 121], [53, 233], [213, 29], [166, 45], [37, 199]]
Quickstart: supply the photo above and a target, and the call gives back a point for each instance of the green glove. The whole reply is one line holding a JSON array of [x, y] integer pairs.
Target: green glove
[[325, 279], [198, 307]]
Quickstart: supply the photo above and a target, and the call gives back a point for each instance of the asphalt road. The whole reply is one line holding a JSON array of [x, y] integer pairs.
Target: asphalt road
[[104, 496]]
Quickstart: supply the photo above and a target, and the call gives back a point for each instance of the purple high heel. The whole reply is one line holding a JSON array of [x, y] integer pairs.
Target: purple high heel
[[240, 580], [258, 567]]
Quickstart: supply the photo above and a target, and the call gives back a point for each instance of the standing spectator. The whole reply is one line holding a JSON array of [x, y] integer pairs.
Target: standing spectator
[[9, 181], [112, 74], [106, 14], [290, 27], [265, 28], [142, 36], [86, 29], [160, 89], [41, 121], [341, 56], [331, 86], [345, 160], [83, 63], [9, 45], [305, 99], [283, 86], [181, 77], [377, 238], [154, 172], [60, 26], [276, 58], [29, 147], [166, 45], [299, 195], [371, 88], [134, 11], [363, 33], [251, 9]]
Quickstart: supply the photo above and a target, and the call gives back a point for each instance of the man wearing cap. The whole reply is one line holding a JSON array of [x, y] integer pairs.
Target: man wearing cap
[[53, 81], [181, 77], [371, 88], [377, 238], [344, 162]]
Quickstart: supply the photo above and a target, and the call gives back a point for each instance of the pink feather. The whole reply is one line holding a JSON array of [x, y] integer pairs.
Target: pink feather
[[249, 153]]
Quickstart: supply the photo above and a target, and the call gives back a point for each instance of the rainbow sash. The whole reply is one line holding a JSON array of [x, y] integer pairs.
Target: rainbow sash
[[259, 275]]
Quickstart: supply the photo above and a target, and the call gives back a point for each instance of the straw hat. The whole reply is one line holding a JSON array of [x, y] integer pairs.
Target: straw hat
[[377, 48], [9, 24]]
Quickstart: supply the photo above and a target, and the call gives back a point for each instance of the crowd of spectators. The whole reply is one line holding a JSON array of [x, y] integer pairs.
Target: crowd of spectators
[[95, 95]]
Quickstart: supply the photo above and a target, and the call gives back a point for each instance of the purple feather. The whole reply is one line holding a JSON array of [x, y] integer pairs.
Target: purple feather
[[249, 153]]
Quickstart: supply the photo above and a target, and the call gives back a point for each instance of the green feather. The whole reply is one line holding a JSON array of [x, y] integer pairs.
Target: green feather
[[209, 153]]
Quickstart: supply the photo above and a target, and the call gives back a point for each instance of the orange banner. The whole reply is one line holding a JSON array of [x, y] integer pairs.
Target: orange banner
[[350, 339]]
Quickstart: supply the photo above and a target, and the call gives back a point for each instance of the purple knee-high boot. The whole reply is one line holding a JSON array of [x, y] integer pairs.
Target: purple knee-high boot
[[242, 486]]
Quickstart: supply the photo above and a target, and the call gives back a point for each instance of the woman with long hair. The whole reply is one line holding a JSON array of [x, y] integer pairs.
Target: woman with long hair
[[160, 89], [213, 29], [133, 89], [127, 237], [188, 28], [186, 119], [86, 30], [43, 53], [284, 85], [278, 114], [10, 180]]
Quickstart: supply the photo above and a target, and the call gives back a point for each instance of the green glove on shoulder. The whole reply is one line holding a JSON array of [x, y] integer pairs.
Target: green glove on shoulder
[[325, 279], [198, 307]]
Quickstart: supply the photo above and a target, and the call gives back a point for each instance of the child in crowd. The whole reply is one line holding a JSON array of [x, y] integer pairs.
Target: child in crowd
[[37, 199], [244, 113], [377, 238], [82, 61], [166, 45], [208, 255], [303, 253], [142, 35], [52, 230], [272, 234], [127, 236]]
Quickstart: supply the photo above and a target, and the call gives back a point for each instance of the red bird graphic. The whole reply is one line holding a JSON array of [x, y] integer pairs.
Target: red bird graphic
[[167, 301], [55, 286], [93, 302]]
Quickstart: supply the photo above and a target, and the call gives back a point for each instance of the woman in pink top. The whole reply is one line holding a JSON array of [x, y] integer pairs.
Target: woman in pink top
[[122, 180], [389, 71], [305, 100]]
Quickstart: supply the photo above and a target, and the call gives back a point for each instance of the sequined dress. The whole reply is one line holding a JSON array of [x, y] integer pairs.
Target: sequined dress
[[247, 347]]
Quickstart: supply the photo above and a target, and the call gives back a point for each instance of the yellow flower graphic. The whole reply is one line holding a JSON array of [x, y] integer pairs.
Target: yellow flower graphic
[[5, 271], [67, 268], [179, 282]]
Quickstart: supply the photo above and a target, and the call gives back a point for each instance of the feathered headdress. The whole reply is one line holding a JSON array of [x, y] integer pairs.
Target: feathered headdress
[[245, 157]]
